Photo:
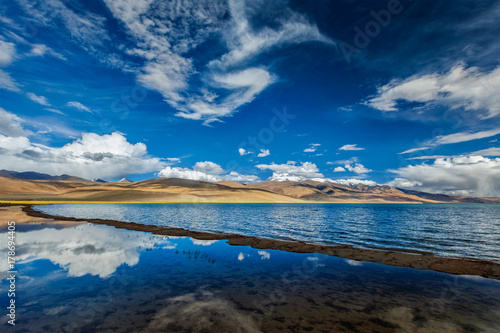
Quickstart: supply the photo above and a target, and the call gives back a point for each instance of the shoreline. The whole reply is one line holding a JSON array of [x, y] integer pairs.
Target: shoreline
[[456, 266]]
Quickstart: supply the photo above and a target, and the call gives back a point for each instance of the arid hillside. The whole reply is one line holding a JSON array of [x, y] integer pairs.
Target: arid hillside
[[67, 188]]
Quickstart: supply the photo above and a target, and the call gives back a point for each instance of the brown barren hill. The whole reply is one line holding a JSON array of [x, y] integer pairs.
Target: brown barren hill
[[67, 188], [153, 190]]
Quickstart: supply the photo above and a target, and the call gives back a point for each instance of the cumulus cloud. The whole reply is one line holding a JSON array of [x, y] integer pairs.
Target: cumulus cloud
[[264, 255], [357, 168], [86, 249], [292, 171], [352, 182], [264, 153], [209, 168], [461, 87], [206, 171], [79, 106], [339, 169], [38, 99], [237, 177], [11, 125], [465, 175], [186, 173], [91, 156], [243, 152]]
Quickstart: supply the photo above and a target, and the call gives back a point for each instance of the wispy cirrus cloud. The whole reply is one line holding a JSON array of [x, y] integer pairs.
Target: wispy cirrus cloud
[[79, 106], [461, 87], [454, 138], [353, 147], [42, 100], [228, 81]]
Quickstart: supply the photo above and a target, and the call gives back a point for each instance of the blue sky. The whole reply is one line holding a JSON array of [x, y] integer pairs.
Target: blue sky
[[404, 93]]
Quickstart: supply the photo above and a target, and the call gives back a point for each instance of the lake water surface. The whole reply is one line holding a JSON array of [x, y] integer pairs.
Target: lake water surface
[[461, 230], [96, 278]]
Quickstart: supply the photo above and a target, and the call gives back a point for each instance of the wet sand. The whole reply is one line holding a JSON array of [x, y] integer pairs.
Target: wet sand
[[457, 266]]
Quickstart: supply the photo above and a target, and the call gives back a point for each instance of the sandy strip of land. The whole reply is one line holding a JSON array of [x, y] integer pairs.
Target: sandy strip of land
[[16, 214], [460, 266]]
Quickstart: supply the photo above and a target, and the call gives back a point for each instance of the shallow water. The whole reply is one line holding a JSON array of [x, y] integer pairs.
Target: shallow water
[[98, 278], [444, 229]]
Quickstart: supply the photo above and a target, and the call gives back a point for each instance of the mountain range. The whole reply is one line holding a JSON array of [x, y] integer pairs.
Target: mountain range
[[32, 186]]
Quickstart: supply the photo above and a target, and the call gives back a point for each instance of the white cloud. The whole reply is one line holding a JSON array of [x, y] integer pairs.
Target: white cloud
[[7, 53], [352, 182], [38, 99], [339, 169], [351, 147], [493, 151], [56, 111], [349, 161], [455, 138], [173, 159], [8, 83], [237, 177], [264, 153], [203, 242], [206, 171], [40, 50], [404, 183], [465, 136], [11, 125], [91, 156], [264, 255], [357, 168], [186, 173], [85, 28], [461, 87], [312, 148], [86, 249], [163, 34], [466, 175], [209, 168], [409, 151], [79, 106], [243, 152], [292, 171]]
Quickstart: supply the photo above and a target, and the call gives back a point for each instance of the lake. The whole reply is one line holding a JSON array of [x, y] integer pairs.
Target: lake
[[454, 230], [88, 278]]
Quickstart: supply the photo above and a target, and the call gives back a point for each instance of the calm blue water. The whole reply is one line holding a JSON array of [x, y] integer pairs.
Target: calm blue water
[[443, 229], [95, 278]]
